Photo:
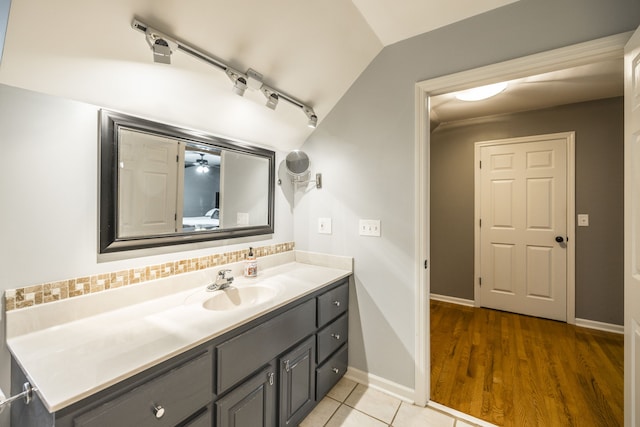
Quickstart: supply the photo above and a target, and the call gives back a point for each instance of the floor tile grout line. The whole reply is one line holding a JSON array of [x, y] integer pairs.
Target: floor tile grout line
[[396, 414], [334, 412]]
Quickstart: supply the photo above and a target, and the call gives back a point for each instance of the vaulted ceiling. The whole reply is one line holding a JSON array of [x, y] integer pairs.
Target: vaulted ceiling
[[314, 51]]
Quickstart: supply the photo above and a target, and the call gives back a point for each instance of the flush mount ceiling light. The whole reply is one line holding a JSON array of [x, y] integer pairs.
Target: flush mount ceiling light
[[482, 92], [164, 46]]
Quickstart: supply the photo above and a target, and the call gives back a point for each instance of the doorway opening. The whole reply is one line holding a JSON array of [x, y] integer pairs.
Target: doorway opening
[[573, 56]]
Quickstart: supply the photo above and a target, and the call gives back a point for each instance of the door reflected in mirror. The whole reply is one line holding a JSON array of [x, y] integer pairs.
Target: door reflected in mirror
[[162, 185]]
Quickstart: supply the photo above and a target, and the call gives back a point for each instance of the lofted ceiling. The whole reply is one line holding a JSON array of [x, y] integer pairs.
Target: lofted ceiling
[[396, 20], [314, 51]]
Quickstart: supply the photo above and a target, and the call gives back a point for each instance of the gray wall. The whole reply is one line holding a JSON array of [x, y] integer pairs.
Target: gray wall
[[365, 150], [599, 127], [48, 191], [200, 190]]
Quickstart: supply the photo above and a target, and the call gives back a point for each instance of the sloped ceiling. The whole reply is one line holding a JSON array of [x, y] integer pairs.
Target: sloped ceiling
[[87, 51], [396, 20]]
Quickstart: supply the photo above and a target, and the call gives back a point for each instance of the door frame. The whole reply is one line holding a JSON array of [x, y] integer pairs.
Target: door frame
[[579, 54], [569, 138]]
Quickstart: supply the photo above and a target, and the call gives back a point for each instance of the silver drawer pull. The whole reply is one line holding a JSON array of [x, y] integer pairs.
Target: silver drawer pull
[[158, 411], [270, 375], [335, 370], [336, 336], [336, 303]]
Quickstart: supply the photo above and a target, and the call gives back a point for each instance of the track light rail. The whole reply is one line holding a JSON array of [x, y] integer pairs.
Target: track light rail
[[163, 46]]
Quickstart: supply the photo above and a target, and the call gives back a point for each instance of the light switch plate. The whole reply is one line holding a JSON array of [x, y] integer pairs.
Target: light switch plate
[[583, 220], [369, 227], [324, 225]]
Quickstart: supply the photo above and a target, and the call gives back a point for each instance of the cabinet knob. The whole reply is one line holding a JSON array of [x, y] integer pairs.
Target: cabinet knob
[[335, 370], [270, 375], [336, 336], [336, 303], [158, 411]]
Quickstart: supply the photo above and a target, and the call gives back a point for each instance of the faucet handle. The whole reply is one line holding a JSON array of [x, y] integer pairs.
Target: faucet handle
[[223, 273]]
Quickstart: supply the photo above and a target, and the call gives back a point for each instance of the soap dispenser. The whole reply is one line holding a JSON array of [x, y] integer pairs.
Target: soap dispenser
[[251, 265]]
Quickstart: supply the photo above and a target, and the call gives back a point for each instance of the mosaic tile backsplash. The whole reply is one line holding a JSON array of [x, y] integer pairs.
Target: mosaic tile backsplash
[[54, 291]]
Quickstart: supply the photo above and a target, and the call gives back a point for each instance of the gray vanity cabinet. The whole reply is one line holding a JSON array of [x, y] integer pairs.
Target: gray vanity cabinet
[[332, 338], [163, 402], [253, 403], [268, 372], [297, 383]]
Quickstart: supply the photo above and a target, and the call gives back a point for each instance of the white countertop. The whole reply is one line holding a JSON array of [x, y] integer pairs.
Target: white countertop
[[69, 352]]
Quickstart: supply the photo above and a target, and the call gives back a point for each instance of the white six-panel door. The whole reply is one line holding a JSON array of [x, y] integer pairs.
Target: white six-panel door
[[632, 233], [147, 184], [523, 225]]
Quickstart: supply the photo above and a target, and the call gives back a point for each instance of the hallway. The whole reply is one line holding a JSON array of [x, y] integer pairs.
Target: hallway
[[514, 370]]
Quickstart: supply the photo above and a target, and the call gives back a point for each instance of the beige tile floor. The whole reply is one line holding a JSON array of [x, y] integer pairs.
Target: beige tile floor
[[350, 404]]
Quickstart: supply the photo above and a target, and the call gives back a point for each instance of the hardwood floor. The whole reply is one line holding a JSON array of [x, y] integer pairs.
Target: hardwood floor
[[514, 370]]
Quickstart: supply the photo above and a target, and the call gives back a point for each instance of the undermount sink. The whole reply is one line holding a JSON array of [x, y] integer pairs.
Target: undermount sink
[[233, 298]]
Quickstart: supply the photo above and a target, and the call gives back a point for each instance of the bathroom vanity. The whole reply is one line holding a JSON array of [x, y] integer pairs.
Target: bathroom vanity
[[260, 353]]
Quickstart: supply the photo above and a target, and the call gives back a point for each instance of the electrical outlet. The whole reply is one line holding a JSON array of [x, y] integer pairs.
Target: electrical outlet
[[369, 227], [324, 225]]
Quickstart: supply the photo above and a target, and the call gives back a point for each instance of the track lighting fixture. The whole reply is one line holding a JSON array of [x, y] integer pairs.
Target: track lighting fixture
[[163, 47], [272, 97], [313, 119], [239, 81]]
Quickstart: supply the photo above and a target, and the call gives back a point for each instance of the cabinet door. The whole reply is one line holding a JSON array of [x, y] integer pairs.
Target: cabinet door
[[297, 383], [250, 404]]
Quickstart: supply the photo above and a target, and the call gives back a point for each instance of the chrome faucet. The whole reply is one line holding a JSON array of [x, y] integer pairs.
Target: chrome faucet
[[223, 280]]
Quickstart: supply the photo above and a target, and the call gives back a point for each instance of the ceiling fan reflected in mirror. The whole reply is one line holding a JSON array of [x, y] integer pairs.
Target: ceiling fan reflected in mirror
[[201, 164]]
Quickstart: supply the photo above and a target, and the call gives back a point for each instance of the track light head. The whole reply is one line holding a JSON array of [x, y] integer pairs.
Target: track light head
[[161, 52], [239, 81], [161, 45], [240, 86], [272, 101], [311, 115], [272, 97]]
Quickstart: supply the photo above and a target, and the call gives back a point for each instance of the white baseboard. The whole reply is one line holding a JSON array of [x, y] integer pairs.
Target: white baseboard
[[460, 415], [453, 300], [601, 326], [381, 384], [406, 394], [585, 323]]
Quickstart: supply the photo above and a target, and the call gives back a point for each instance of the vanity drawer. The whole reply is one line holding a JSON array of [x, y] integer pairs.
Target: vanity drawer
[[333, 303], [330, 372], [244, 354], [179, 393], [332, 337]]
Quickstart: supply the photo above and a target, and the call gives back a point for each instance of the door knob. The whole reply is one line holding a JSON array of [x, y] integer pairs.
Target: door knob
[[559, 239]]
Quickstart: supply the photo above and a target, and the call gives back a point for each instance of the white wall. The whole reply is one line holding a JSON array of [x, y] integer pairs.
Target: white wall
[[365, 150], [48, 193]]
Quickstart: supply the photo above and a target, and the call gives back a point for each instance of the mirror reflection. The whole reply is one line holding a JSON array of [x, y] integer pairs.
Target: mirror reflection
[[163, 185]]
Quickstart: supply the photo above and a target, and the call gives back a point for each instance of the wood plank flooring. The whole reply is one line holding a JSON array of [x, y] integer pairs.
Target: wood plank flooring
[[514, 370]]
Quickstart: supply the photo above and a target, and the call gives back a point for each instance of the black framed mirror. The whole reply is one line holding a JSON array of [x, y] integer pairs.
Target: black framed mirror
[[164, 185]]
